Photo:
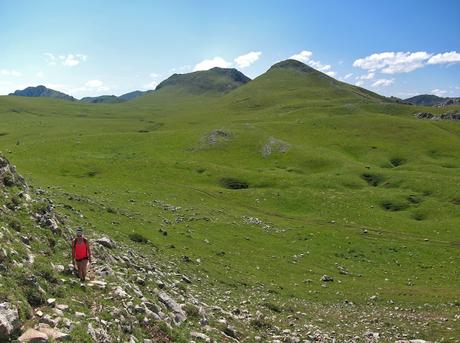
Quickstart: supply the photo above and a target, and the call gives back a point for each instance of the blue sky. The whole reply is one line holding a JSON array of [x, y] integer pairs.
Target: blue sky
[[96, 47]]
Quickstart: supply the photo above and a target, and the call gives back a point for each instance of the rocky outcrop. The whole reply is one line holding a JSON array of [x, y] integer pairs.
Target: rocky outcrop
[[449, 115], [9, 176], [9, 320]]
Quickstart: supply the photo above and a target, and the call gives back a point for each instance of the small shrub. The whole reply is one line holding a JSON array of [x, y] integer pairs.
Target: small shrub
[[414, 199], [261, 324], [393, 206], [45, 271], [34, 297], [397, 161], [272, 307], [418, 216], [8, 180], [455, 201], [372, 179], [138, 238], [192, 311], [15, 224], [232, 183]]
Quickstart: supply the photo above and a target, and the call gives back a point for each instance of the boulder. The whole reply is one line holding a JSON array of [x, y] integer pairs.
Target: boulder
[[106, 242], [56, 335], [179, 314], [326, 278], [33, 336], [200, 336], [9, 320]]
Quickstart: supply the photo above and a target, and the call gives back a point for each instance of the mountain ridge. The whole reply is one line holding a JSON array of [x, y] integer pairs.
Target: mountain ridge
[[432, 100]]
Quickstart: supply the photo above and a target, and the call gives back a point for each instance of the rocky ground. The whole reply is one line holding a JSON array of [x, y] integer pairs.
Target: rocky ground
[[131, 295]]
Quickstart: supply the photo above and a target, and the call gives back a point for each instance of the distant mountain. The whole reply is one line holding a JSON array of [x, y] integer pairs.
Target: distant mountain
[[291, 81], [42, 91], [113, 99], [133, 95], [215, 80], [106, 99], [432, 100]]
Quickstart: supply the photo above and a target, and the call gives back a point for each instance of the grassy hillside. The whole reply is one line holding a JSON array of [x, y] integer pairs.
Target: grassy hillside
[[331, 180]]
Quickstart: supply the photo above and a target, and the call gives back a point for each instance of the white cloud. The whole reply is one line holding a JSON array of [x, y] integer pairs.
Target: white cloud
[[447, 57], [439, 92], [393, 62], [151, 85], [346, 77], [359, 83], [40, 75], [211, 63], [246, 60], [368, 76], [93, 83], [383, 83], [302, 56], [153, 75], [318, 65], [69, 60], [10, 72]]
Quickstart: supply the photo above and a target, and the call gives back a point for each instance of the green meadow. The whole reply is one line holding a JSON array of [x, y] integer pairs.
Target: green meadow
[[264, 188]]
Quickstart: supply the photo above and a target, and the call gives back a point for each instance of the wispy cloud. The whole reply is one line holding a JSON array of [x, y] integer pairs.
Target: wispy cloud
[[439, 92], [9, 72], [368, 76], [383, 83], [403, 62], [447, 57], [69, 60], [150, 85], [246, 60], [346, 77], [211, 63], [305, 57], [302, 56]]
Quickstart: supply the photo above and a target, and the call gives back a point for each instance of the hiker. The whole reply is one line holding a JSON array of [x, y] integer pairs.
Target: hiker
[[81, 254]]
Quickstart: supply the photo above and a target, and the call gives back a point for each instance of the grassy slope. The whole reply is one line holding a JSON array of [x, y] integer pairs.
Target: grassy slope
[[314, 197]]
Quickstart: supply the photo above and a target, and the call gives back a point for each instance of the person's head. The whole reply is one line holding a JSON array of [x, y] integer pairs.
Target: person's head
[[79, 232]]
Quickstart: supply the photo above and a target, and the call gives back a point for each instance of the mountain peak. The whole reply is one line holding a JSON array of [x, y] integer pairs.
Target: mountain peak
[[214, 80], [293, 65], [42, 91]]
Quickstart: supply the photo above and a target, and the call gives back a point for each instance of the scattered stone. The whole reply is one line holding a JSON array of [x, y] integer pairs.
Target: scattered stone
[[98, 334], [62, 307], [80, 314], [106, 242], [186, 279], [120, 293], [199, 335], [32, 335], [326, 278], [54, 334]]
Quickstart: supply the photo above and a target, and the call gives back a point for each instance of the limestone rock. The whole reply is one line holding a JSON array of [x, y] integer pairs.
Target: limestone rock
[[9, 320], [32, 335]]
